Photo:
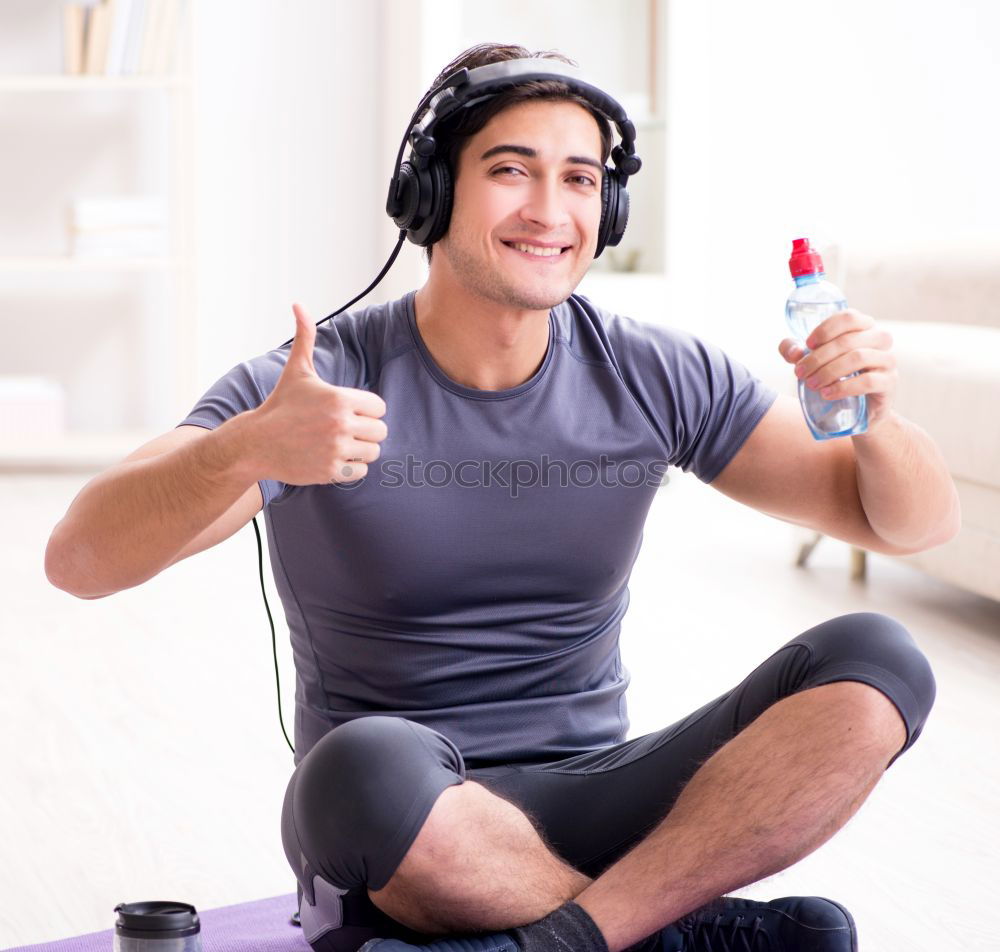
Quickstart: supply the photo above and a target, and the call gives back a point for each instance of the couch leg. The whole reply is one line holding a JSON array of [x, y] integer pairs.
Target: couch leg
[[859, 564], [805, 550]]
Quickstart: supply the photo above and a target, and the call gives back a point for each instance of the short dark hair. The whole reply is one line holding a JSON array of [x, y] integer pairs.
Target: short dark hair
[[453, 132]]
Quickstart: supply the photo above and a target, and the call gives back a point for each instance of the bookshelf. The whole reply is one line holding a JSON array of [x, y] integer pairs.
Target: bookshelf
[[144, 356], [27, 82]]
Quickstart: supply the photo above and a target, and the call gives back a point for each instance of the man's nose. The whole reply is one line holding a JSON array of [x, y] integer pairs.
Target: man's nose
[[546, 203]]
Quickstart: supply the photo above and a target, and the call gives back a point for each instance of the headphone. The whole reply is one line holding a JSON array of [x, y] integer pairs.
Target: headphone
[[420, 192]]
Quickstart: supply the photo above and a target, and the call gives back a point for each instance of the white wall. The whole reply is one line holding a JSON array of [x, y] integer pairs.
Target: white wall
[[856, 120], [285, 212], [848, 121], [285, 177]]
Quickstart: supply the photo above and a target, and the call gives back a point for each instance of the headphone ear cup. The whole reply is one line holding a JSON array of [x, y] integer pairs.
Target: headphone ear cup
[[441, 201], [620, 217], [424, 198], [614, 211], [602, 228], [407, 198]]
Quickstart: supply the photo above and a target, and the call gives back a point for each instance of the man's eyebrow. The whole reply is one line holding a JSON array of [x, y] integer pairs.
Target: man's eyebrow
[[533, 154]]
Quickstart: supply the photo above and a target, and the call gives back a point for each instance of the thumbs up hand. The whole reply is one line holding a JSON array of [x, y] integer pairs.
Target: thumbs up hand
[[309, 431], [300, 357]]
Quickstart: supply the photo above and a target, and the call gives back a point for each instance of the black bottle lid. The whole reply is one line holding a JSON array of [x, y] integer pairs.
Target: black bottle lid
[[156, 920]]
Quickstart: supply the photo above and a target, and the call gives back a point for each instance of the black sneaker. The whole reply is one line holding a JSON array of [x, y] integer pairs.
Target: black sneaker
[[791, 924], [497, 942]]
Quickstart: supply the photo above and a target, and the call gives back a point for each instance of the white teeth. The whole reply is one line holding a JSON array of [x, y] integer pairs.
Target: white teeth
[[541, 252]]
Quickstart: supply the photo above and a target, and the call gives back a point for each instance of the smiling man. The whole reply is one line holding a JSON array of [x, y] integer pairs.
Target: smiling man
[[522, 235], [455, 485]]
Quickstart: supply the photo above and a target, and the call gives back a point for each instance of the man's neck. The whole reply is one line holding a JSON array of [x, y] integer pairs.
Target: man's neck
[[479, 343]]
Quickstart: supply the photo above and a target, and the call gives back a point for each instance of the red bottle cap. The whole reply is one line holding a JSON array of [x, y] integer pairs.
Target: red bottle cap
[[804, 260]]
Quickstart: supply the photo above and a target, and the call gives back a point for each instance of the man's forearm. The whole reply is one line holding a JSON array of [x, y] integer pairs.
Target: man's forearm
[[904, 484], [127, 523]]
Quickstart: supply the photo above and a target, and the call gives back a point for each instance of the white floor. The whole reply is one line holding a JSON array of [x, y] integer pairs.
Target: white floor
[[142, 756]]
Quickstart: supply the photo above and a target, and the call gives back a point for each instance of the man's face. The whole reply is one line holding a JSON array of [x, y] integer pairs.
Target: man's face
[[550, 197]]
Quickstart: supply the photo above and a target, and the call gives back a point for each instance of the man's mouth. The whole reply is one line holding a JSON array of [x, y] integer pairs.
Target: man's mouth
[[536, 253]]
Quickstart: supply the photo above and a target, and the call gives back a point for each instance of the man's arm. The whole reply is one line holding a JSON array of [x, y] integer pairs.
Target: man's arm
[[905, 487], [183, 492], [200, 486], [887, 491]]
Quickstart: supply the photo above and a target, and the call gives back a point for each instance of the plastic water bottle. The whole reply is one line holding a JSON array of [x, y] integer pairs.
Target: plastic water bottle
[[812, 301]]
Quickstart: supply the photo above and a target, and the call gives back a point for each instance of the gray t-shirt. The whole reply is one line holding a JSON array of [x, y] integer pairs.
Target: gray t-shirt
[[475, 580]]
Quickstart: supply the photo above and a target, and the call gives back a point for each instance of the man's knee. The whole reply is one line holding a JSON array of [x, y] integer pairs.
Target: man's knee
[[879, 651], [359, 797]]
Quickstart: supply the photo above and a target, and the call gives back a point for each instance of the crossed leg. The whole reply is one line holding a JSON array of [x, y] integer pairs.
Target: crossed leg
[[773, 794]]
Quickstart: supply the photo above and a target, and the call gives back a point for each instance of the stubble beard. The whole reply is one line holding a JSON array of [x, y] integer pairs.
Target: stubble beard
[[495, 285]]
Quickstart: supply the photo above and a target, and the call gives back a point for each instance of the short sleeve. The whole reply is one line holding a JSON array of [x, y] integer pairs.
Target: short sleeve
[[701, 402], [244, 387]]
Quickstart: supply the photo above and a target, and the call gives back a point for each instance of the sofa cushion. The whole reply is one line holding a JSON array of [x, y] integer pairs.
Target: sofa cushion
[[969, 560], [957, 282], [949, 384]]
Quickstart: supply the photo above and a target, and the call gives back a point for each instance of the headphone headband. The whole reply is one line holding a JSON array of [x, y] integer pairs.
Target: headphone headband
[[410, 206], [462, 87]]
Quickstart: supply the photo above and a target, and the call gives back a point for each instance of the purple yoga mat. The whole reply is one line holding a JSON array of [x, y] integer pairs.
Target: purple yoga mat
[[261, 926]]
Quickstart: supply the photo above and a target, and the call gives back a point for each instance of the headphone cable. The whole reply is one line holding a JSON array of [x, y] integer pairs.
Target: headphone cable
[[381, 274], [256, 528], [274, 641]]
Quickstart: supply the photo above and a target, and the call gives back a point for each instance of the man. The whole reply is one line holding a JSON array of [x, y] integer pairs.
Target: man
[[461, 765]]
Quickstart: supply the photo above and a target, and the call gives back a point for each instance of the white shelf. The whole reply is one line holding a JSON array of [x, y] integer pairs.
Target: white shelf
[[69, 452], [153, 343], [82, 263], [28, 82]]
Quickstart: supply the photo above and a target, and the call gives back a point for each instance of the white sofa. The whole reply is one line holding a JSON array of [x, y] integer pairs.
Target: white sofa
[[941, 303]]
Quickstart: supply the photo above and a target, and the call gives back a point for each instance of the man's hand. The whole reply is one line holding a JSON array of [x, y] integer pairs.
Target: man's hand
[[308, 431], [847, 342]]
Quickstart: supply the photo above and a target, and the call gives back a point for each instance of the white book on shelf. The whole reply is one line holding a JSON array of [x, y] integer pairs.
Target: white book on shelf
[[98, 211], [167, 44], [98, 27], [150, 36], [118, 226], [121, 14], [127, 242], [31, 406], [74, 21], [136, 28]]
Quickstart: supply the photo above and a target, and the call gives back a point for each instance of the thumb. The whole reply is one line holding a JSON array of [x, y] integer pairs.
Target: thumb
[[791, 350], [301, 354]]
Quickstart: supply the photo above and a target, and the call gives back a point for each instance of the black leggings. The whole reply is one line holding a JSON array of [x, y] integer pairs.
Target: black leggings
[[358, 799]]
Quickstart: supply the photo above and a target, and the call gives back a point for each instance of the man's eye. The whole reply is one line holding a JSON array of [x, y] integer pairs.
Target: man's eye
[[583, 179]]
